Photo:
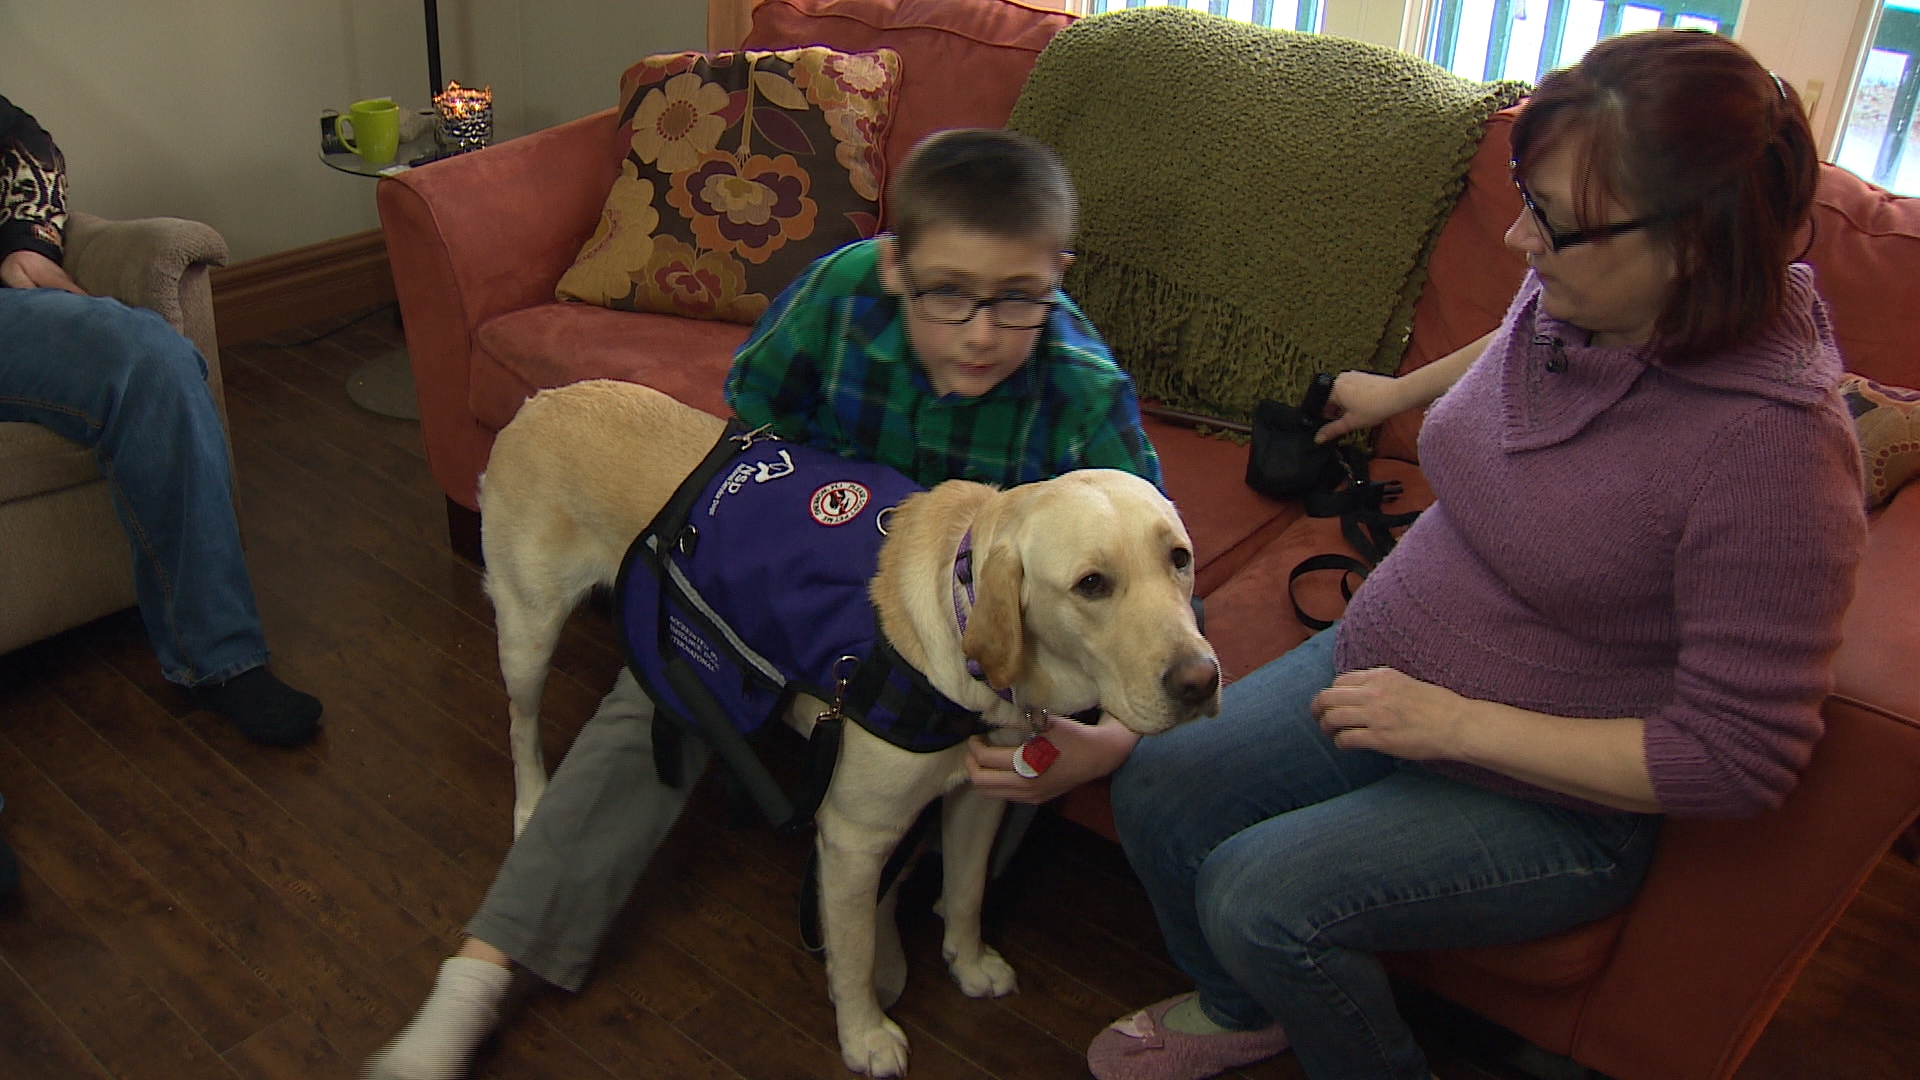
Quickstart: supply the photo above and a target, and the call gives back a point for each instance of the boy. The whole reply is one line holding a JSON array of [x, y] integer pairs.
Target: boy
[[944, 350]]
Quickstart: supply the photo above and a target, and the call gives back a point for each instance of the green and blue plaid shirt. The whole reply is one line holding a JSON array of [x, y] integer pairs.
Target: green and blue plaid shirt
[[829, 365]]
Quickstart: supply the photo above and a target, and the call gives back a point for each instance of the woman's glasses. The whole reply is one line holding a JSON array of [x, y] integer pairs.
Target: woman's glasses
[[1560, 241]]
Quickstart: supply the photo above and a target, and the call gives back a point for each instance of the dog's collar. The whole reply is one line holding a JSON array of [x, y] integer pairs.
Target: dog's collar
[[1035, 717]]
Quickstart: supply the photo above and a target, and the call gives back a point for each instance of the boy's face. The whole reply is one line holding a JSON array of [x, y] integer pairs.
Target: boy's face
[[949, 266]]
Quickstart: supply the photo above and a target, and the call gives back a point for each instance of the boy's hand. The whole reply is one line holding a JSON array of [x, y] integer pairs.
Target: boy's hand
[[31, 270], [1087, 752], [1361, 399]]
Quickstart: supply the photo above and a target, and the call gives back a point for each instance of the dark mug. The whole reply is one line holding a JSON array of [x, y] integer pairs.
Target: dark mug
[[330, 133]]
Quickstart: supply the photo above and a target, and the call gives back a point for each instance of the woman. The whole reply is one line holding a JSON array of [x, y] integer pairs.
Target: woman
[[1622, 605]]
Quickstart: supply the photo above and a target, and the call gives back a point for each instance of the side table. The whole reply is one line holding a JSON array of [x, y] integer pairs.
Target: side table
[[385, 385]]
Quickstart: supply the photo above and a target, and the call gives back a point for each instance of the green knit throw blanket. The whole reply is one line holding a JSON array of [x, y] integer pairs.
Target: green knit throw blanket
[[1256, 205]]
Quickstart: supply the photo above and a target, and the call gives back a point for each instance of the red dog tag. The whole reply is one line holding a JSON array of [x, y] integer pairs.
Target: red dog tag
[[1035, 756]]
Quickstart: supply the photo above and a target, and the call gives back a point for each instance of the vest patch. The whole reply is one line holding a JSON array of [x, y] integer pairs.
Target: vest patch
[[838, 503]]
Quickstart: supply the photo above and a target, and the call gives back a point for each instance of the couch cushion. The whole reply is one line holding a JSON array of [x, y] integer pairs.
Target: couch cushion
[[1206, 479], [1249, 620], [1880, 636], [35, 461], [1563, 960], [740, 169], [555, 344], [962, 64], [1866, 251]]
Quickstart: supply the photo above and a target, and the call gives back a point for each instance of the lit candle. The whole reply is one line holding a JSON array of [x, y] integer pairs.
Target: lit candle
[[466, 117]]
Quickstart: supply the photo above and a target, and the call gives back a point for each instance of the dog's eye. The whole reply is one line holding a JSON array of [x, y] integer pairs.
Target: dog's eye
[[1093, 586], [1181, 557]]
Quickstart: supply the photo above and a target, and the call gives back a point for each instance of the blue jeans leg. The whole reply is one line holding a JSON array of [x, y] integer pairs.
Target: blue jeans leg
[[121, 381], [1279, 865]]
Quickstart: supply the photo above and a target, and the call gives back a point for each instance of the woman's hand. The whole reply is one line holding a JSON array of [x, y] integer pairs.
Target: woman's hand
[[1382, 709], [1087, 752], [31, 270], [1602, 760], [1362, 400]]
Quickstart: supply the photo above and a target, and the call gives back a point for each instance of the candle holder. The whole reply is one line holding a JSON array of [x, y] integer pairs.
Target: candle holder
[[465, 117]]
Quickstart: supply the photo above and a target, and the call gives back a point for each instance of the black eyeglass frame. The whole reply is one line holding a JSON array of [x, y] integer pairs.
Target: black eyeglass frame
[[992, 304], [1560, 241]]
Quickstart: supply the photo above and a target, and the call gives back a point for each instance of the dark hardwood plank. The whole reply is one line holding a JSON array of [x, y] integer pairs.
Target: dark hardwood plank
[[117, 1016], [290, 1047], [145, 926], [229, 807], [324, 981], [37, 1045]]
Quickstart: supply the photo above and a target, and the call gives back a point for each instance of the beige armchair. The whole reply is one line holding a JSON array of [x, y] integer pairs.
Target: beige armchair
[[63, 557]]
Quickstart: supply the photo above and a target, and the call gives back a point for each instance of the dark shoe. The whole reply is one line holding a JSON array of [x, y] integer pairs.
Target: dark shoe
[[265, 709]]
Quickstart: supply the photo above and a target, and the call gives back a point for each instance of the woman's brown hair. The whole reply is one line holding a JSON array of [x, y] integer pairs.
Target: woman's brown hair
[[1688, 131]]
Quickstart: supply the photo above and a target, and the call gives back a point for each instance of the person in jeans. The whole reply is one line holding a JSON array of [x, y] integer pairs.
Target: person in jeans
[[1622, 605], [123, 382]]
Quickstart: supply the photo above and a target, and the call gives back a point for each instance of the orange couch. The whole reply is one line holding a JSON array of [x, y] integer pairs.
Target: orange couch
[[1678, 985]]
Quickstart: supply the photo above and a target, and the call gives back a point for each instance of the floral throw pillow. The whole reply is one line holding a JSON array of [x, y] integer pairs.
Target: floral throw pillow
[[1887, 419], [741, 169]]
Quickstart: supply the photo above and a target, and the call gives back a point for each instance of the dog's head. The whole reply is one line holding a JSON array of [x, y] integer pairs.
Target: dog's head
[[1084, 588]]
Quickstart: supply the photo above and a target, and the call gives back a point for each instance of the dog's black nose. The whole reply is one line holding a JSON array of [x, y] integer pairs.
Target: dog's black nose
[[1192, 681]]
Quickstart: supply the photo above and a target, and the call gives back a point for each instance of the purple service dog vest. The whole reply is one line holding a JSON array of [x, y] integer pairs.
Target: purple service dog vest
[[751, 586]]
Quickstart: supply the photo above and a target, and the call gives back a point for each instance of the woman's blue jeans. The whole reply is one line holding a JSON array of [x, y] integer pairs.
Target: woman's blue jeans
[[1279, 864], [121, 381]]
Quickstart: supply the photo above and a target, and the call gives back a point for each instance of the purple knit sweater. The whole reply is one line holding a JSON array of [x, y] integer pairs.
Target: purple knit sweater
[[1626, 538]]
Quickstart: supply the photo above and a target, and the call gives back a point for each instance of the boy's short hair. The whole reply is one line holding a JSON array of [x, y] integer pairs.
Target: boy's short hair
[[998, 182]]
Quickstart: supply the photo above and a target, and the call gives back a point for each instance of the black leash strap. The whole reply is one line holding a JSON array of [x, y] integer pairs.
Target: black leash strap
[[1364, 524], [728, 743]]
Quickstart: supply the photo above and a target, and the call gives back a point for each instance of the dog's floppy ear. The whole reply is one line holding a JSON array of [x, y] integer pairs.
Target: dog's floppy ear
[[995, 636]]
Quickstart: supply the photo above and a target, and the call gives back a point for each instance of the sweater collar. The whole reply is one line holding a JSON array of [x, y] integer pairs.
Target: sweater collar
[[1554, 382]]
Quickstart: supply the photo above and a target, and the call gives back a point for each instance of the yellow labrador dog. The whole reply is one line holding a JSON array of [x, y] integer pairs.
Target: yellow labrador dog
[[1083, 587]]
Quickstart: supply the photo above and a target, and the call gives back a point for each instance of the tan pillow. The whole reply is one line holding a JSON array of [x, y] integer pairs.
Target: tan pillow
[[1887, 419], [741, 169]]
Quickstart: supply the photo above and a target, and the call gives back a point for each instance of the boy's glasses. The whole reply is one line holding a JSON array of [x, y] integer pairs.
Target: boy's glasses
[[1560, 241], [950, 305]]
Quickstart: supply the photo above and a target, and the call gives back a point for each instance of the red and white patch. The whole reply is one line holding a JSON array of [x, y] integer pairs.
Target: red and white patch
[[838, 503]]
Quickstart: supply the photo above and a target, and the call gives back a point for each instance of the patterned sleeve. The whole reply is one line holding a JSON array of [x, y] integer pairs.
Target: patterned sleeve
[[1099, 425], [33, 187], [1113, 439], [775, 378]]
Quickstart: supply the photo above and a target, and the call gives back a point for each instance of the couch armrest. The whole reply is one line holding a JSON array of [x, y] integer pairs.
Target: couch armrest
[[143, 262], [477, 236], [1733, 910]]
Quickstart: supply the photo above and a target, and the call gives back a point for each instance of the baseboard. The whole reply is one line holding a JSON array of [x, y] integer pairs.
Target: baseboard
[[278, 292]]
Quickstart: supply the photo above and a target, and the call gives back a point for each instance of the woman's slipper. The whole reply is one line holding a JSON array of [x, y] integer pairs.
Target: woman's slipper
[[1143, 1047]]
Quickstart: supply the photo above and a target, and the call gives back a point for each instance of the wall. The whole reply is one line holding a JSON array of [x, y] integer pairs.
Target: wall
[[209, 109]]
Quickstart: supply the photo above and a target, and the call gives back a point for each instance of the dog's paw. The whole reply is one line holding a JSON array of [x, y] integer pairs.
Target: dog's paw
[[880, 1051], [988, 975]]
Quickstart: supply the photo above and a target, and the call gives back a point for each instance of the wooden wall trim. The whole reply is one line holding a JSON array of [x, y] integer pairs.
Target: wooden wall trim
[[277, 292]]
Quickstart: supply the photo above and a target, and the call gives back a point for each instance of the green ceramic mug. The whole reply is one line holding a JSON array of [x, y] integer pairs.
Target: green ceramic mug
[[371, 129]]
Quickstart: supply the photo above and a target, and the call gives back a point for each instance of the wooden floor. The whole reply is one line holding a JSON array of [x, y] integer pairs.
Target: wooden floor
[[195, 906]]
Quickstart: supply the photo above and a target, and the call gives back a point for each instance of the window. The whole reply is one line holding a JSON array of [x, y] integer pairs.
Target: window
[[1525, 39], [1877, 141], [1279, 14]]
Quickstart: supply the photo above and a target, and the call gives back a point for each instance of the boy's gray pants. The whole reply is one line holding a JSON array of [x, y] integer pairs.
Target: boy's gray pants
[[603, 816]]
